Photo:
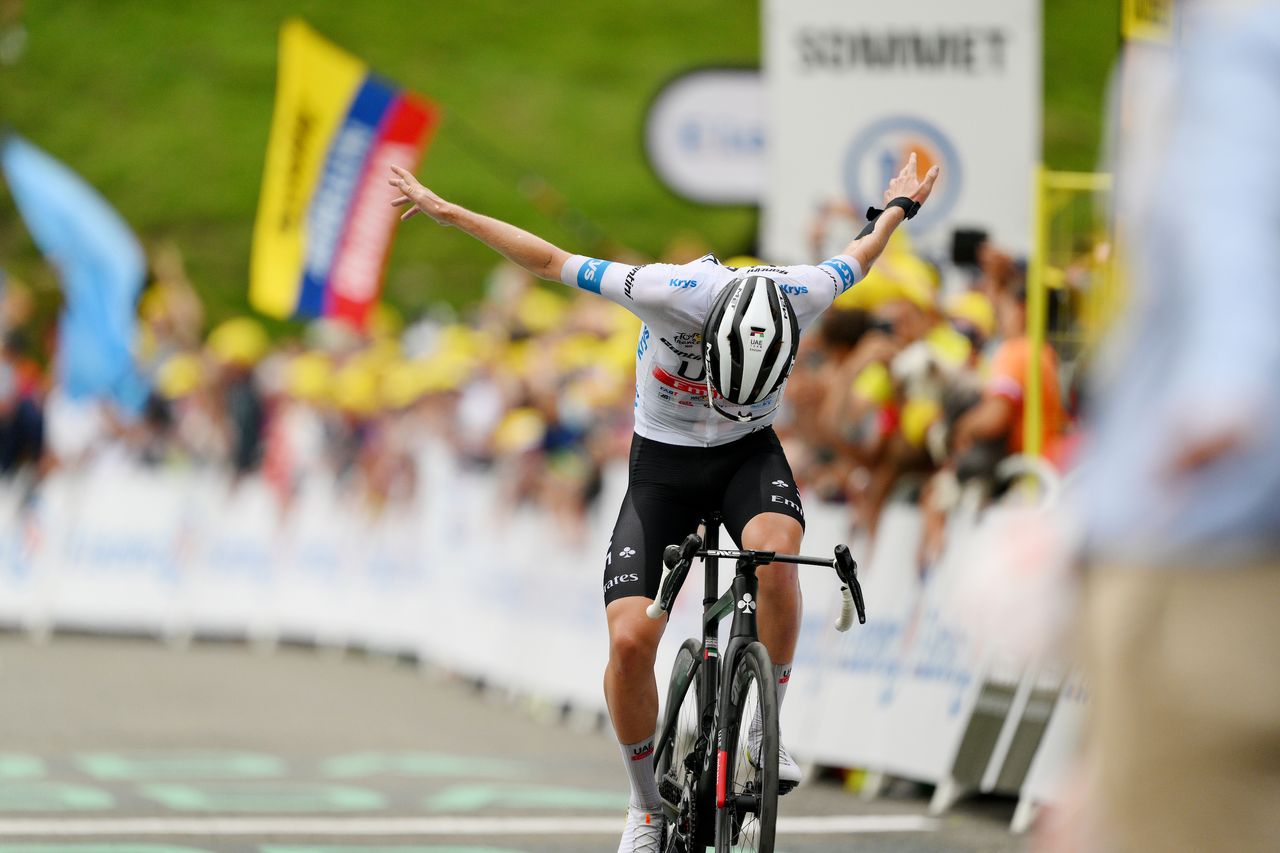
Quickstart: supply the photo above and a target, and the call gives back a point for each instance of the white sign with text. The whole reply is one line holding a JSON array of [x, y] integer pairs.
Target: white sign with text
[[852, 87]]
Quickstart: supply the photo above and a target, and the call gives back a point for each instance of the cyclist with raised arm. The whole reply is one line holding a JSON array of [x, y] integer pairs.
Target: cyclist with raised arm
[[712, 360]]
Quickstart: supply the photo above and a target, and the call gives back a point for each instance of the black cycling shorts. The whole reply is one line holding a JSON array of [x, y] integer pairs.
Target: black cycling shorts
[[671, 488]]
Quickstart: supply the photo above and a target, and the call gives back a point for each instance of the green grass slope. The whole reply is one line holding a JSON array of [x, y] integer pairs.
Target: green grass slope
[[165, 107]]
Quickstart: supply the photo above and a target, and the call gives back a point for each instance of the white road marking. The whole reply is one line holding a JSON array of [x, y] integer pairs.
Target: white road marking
[[303, 826]]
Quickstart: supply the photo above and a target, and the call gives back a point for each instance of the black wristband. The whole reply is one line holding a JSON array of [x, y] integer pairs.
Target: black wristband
[[909, 206]]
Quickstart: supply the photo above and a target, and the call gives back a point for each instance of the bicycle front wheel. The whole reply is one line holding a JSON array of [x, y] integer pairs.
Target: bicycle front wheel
[[676, 765], [748, 766]]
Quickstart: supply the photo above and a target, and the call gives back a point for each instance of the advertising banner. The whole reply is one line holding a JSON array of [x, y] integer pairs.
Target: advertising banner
[[705, 135], [325, 223], [852, 88]]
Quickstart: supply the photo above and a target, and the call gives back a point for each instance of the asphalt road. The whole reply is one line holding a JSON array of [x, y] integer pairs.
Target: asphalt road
[[125, 746]]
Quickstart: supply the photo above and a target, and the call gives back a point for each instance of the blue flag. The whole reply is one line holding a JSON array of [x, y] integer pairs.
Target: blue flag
[[101, 267]]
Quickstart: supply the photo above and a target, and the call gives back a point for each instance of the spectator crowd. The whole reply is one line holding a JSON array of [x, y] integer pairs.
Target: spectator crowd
[[911, 386]]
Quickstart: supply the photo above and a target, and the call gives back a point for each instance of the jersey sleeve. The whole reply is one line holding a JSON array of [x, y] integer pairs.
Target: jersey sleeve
[[812, 289], [646, 290]]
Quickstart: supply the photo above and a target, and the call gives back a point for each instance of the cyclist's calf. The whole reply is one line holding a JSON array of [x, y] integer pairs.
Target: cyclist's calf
[[629, 685]]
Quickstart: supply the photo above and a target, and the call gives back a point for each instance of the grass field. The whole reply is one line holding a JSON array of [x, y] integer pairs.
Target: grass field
[[167, 112]]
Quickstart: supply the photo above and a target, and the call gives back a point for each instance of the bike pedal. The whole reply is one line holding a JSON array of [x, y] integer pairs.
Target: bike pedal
[[785, 787]]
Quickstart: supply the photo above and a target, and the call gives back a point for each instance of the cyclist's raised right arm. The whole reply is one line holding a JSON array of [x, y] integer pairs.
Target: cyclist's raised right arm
[[535, 254]]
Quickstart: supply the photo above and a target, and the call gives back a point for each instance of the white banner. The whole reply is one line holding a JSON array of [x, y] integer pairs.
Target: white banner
[[491, 592], [853, 86]]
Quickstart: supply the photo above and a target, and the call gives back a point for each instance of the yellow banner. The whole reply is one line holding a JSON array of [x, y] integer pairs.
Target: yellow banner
[[1147, 20], [315, 87]]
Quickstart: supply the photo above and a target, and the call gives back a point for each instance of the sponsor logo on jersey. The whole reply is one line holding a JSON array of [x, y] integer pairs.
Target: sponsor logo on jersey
[[759, 270], [631, 280], [643, 346], [684, 283], [591, 274], [688, 339], [779, 499], [843, 272], [683, 385], [631, 577], [688, 356], [793, 289]]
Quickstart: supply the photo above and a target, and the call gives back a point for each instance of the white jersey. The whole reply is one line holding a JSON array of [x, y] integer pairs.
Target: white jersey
[[671, 403]]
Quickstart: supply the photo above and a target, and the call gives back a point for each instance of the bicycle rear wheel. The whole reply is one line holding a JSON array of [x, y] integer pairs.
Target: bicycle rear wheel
[[676, 765], [749, 764]]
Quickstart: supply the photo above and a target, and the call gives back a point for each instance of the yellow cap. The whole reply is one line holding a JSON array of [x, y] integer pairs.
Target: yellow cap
[[540, 310], [520, 430], [355, 389], [874, 384], [974, 308], [179, 376], [240, 341], [403, 383], [917, 416], [950, 347], [309, 376]]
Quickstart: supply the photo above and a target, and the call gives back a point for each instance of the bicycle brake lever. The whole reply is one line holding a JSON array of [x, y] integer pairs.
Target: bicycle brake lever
[[676, 560], [847, 570]]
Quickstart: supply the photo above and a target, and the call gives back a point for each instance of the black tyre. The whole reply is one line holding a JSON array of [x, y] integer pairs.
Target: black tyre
[[677, 740], [750, 729]]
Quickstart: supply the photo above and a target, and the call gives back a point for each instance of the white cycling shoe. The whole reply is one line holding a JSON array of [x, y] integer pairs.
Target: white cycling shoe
[[789, 773], [643, 833]]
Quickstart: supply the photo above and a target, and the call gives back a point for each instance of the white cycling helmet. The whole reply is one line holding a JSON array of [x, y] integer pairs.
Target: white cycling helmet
[[751, 335]]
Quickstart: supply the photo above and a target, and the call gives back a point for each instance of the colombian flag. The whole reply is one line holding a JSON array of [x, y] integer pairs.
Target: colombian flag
[[325, 223]]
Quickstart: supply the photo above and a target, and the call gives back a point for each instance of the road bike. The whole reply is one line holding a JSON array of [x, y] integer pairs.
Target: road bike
[[726, 796]]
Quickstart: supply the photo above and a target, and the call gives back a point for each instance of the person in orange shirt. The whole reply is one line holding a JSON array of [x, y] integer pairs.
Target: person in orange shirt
[[1000, 413]]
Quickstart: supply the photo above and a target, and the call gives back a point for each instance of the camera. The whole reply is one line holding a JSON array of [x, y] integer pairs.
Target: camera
[[965, 243]]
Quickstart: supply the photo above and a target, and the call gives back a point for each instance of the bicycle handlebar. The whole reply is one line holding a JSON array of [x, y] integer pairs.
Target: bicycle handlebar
[[676, 560]]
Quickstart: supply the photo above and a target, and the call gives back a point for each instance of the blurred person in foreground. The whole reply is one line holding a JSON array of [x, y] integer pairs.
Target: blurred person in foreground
[[701, 443], [1182, 480]]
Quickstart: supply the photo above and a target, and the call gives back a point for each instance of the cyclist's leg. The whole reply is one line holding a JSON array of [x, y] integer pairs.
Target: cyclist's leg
[[762, 511], [778, 616], [655, 513]]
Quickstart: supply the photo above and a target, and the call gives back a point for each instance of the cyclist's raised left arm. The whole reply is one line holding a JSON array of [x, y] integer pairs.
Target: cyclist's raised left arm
[[906, 184], [543, 259]]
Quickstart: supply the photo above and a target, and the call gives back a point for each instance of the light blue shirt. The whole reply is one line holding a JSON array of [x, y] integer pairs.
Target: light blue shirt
[[1202, 344]]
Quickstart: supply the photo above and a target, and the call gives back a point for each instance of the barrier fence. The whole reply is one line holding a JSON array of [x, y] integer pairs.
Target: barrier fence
[[916, 692]]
